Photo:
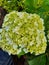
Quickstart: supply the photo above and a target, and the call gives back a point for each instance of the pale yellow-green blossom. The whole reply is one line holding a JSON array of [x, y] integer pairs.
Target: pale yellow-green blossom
[[23, 32]]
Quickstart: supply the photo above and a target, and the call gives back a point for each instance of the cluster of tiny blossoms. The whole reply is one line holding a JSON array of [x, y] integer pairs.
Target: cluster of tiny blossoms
[[23, 32]]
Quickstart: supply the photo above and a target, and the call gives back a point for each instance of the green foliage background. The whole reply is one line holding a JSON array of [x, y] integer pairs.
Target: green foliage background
[[40, 7]]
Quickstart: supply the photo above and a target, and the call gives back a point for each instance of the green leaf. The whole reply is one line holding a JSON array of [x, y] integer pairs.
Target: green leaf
[[37, 3], [46, 2], [21, 53], [0, 2], [39, 60], [29, 5]]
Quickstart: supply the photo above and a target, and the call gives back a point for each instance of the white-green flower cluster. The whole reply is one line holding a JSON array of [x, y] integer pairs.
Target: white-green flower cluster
[[23, 32], [48, 35]]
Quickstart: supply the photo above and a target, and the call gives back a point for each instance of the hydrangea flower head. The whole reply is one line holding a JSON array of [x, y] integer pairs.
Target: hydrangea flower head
[[23, 32]]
